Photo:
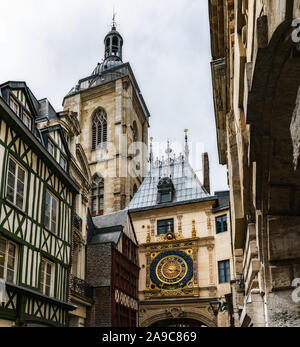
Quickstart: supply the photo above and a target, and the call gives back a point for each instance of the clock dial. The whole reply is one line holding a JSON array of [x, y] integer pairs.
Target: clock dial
[[171, 269]]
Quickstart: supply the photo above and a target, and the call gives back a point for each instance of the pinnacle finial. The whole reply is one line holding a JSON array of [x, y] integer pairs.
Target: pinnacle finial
[[114, 24], [186, 147], [151, 152]]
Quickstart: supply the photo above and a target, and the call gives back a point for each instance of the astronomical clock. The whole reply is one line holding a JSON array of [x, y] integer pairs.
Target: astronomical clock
[[172, 268]]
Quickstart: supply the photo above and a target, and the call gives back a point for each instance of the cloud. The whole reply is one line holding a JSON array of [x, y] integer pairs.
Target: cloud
[[52, 44]]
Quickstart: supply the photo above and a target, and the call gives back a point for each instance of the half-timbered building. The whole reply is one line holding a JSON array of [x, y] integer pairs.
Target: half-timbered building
[[36, 198], [66, 132]]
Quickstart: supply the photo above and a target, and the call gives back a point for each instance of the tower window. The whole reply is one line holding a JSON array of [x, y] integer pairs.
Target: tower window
[[165, 226], [98, 197], [115, 45], [99, 128]]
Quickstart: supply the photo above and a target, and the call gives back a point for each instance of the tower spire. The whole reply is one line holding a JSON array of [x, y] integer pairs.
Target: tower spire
[[186, 146], [114, 24], [151, 153]]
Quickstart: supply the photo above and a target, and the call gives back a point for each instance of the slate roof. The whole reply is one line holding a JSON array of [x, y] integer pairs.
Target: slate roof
[[187, 187], [108, 228], [110, 237], [223, 202], [111, 220]]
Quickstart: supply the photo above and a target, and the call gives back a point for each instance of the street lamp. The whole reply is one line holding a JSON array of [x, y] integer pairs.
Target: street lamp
[[218, 306]]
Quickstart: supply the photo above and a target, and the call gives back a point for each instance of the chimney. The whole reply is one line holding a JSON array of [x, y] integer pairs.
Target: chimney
[[206, 180]]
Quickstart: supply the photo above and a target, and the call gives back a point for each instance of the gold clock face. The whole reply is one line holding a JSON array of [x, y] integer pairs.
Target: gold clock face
[[171, 269]]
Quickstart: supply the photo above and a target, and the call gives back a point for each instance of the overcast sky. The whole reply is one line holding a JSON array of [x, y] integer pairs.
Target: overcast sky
[[52, 44]]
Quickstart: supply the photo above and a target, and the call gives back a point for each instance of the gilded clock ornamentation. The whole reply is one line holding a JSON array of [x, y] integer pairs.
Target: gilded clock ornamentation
[[171, 270]]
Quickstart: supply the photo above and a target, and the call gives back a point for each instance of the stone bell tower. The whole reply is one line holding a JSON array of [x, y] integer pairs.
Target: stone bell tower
[[114, 122]]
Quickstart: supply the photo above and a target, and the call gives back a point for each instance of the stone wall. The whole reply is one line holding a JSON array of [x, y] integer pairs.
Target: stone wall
[[259, 112]]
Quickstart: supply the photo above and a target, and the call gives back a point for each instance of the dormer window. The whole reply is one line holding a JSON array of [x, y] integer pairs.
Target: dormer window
[[14, 105], [27, 119], [165, 190], [63, 162], [50, 147]]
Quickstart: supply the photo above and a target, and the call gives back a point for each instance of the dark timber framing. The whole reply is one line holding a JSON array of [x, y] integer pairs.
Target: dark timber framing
[[24, 302]]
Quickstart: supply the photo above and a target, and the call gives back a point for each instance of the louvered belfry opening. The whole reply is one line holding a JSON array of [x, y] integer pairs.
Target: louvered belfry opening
[[99, 128]]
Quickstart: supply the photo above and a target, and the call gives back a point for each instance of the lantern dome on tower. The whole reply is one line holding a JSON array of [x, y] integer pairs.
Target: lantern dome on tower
[[113, 45]]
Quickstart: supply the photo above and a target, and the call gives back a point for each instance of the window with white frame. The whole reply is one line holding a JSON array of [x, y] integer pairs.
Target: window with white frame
[[51, 213], [14, 105], [8, 260], [27, 119], [47, 277], [16, 182]]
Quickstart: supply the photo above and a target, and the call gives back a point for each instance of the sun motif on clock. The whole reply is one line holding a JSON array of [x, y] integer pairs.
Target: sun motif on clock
[[171, 270]]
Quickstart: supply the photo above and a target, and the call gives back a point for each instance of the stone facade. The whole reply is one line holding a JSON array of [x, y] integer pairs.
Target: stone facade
[[256, 79], [183, 246], [209, 248], [114, 161]]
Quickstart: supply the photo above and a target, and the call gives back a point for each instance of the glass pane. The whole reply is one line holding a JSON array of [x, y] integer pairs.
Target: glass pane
[[54, 208], [11, 263], [165, 197], [2, 246], [94, 205], [47, 221], [62, 162], [12, 250], [47, 210], [47, 290], [12, 166], [21, 175], [42, 277], [228, 271], [19, 201], [10, 194], [53, 215], [53, 227], [10, 276], [11, 180], [50, 148], [218, 226]]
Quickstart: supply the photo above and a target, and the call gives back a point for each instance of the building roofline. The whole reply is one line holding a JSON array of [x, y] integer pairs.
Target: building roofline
[[131, 74], [173, 204], [37, 146]]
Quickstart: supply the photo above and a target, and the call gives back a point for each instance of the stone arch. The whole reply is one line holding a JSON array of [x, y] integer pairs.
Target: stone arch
[[271, 113], [271, 104], [163, 316]]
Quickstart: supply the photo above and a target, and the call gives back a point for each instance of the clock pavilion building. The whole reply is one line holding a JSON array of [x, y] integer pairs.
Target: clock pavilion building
[[184, 246]]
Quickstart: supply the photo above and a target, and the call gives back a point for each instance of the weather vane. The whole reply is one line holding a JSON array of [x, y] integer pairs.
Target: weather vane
[[114, 18]]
